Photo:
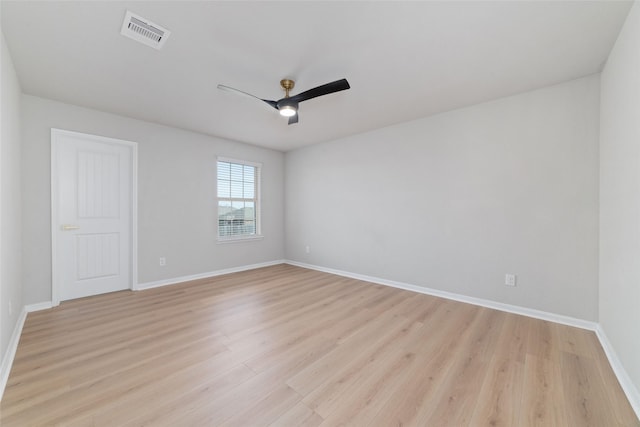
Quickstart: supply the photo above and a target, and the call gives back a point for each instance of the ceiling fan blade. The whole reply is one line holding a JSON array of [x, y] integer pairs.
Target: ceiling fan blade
[[325, 89], [273, 104], [293, 119]]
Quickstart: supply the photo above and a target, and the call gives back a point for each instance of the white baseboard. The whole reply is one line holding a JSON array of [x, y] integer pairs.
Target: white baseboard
[[175, 280], [7, 360], [524, 311], [39, 306], [623, 378], [627, 385]]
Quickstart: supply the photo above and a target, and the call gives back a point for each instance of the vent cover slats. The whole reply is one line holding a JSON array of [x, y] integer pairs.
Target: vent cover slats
[[144, 31]]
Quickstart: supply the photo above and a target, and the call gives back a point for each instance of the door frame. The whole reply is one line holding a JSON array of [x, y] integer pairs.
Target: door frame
[[55, 223]]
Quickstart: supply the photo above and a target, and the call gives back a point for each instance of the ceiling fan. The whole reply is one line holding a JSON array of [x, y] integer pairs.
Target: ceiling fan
[[288, 106]]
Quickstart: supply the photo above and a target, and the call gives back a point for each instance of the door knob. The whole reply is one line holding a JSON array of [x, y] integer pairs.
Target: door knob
[[68, 227]]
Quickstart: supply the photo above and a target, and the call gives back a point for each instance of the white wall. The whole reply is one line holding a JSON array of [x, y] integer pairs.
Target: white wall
[[620, 197], [176, 190], [10, 211], [455, 201]]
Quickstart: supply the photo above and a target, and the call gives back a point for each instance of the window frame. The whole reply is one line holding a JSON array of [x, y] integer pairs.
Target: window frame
[[257, 202]]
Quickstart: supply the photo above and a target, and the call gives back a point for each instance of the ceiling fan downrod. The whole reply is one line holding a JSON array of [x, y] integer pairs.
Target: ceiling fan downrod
[[287, 85]]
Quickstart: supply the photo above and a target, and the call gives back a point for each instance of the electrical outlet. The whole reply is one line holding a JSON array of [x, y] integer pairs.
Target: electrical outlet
[[163, 261], [510, 279], [307, 249]]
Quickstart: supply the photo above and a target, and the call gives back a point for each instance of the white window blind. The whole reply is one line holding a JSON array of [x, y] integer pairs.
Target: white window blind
[[238, 201]]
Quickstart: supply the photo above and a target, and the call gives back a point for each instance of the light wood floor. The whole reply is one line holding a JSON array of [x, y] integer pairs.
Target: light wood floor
[[285, 346]]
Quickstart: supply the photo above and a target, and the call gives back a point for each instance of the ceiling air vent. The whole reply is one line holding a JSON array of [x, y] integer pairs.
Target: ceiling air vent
[[144, 31]]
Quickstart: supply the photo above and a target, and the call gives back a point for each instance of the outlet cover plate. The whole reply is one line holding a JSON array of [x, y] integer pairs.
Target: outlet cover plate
[[510, 279]]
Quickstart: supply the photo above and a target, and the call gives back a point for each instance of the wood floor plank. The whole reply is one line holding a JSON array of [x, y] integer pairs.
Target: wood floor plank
[[459, 392], [242, 398], [582, 393], [371, 337], [500, 398], [615, 395], [267, 410], [154, 400], [363, 384], [543, 399], [298, 416], [172, 405], [413, 402], [288, 346], [379, 382], [77, 401]]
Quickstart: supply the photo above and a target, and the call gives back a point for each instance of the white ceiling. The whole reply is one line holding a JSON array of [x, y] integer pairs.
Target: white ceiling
[[404, 60]]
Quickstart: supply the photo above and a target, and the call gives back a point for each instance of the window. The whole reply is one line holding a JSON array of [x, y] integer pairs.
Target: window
[[238, 199]]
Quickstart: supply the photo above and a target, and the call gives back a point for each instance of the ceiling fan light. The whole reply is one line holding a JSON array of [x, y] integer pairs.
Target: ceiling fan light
[[287, 111]]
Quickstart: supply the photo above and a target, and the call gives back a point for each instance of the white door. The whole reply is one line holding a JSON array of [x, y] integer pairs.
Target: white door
[[92, 215]]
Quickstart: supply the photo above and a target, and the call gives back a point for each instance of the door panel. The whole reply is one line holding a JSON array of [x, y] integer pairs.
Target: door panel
[[98, 179], [97, 255], [94, 211]]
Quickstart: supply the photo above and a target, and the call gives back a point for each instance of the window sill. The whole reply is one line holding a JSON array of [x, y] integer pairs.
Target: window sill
[[238, 239]]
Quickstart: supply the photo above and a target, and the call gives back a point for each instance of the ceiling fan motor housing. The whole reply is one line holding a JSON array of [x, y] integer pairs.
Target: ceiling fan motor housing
[[287, 107]]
